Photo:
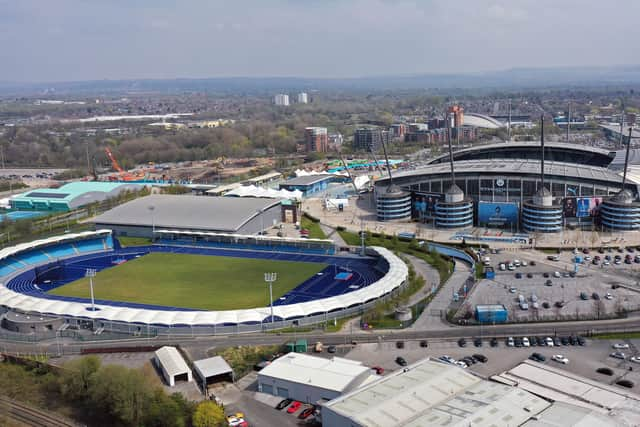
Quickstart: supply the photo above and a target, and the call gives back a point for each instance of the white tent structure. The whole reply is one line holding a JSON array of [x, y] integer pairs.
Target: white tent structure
[[302, 172], [172, 365], [253, 191]]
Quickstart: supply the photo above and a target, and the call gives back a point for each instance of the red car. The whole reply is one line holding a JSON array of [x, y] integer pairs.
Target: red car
[[379, 369], [294, 407]]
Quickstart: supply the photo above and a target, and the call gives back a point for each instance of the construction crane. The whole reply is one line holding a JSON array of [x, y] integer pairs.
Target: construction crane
[[122, 174]]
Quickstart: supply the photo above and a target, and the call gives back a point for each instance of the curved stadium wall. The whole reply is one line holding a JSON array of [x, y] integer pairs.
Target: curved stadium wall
[[20, 258]]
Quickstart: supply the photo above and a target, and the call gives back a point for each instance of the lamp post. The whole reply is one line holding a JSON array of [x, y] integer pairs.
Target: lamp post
[[270, 278], [153, 222], [91, 273]]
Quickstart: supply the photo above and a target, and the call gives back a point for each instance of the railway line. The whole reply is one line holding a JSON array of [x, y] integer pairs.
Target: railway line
[[29, 416]]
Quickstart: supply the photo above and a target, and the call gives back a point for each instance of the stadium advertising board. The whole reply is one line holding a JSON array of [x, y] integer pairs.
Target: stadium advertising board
[[498, 214], [581, 207], [424, 204]]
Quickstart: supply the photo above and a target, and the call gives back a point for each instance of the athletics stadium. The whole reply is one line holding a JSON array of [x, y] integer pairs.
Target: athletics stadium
[[191, 282]]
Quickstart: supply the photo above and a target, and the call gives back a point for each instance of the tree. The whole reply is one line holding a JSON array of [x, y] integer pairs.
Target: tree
[[76, 378], [120, 392], [208, 414]]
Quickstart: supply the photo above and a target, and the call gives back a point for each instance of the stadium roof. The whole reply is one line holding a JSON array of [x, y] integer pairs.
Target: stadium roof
[[481, 121], [335, 374], [172, 361], [48, 305], [227, 214], [512, 167], [432, 393], [573, 153]]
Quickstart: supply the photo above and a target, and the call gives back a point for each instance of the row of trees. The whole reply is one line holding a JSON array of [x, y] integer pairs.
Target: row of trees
[[117, 396]]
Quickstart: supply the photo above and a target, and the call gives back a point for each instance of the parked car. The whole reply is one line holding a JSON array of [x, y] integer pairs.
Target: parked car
[[548, 341], [331, 349], [635, 359], [462, 342], [307, 412], [620, 346], [581, 341], [294, 407], [560, 359], [618, 355], [400, 361], [525, 342], [556, 274], [399, 344], [584, 296], [548, 283], [608, 296], [480, 357], [510, 342], [477, 342], [379, 369], [233, 421], [537, 357], [529, 275], [518, 275], [545, 274], [493, 342], [283, 404], [424, 343]]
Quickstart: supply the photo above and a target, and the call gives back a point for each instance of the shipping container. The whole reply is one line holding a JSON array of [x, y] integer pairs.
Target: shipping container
[[491, 313]]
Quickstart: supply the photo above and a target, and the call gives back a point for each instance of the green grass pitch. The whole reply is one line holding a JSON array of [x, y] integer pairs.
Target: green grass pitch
[[193, 281]]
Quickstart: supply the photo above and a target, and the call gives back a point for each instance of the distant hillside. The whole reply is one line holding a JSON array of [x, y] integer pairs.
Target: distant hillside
[[527, 78]]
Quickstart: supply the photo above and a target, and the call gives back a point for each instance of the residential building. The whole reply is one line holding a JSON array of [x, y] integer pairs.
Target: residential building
[[303, 98], [370, 138], [316, 139], [281, 99]]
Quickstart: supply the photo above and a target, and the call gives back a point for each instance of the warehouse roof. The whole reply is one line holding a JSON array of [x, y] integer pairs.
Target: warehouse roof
[[432, 393], [172, 361], [335, 374], [71, 191], [190, 212], [212, 367], [563, 414]]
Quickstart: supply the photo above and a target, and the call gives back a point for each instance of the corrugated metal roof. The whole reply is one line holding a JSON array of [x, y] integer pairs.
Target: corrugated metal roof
[[431, 393], [212, 367], [172, 361], [187, 212], [335, 374]]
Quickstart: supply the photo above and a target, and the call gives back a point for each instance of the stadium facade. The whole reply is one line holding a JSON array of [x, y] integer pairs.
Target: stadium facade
[[501, 180]]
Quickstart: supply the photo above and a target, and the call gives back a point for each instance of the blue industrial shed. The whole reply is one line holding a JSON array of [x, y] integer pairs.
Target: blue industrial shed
[[491, 313]]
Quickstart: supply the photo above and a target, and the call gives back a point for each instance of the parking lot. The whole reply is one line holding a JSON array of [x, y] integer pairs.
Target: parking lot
[[583, 360], [559, 291]]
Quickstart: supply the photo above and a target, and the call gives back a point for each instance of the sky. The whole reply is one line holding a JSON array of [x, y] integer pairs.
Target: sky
[[70, 40]]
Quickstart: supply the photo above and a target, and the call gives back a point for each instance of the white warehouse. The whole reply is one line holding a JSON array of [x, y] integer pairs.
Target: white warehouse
[[312, 379]]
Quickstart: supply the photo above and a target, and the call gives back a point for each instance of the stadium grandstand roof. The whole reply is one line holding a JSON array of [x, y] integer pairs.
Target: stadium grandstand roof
[[74, 194], [395, 277], [308, 179], [559, 151], [336, 374], [481, 121], [433, 393], [516, 167], [226, 214]]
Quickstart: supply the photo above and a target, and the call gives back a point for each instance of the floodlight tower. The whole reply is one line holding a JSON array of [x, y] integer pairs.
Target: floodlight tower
[[91, 273], [270, 278]]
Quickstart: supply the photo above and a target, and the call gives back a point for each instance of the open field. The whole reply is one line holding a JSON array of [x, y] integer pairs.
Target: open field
[[193, 281]]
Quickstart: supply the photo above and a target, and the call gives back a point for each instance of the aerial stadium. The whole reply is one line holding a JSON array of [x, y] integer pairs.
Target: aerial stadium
[[496, 184], [190, 282]]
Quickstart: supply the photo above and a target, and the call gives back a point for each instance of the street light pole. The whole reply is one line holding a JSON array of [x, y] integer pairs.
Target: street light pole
[[270, 278], [91, 273]]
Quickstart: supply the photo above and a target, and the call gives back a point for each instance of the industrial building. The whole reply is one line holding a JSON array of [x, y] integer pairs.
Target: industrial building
[[308, 184], [70, 196], [574, 397], [312, 379], [236, 215], [491, 313], [429, 393], [172, 365], [315, 139]]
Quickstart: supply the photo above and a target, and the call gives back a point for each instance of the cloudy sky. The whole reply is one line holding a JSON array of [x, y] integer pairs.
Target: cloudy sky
[[63, 40]]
